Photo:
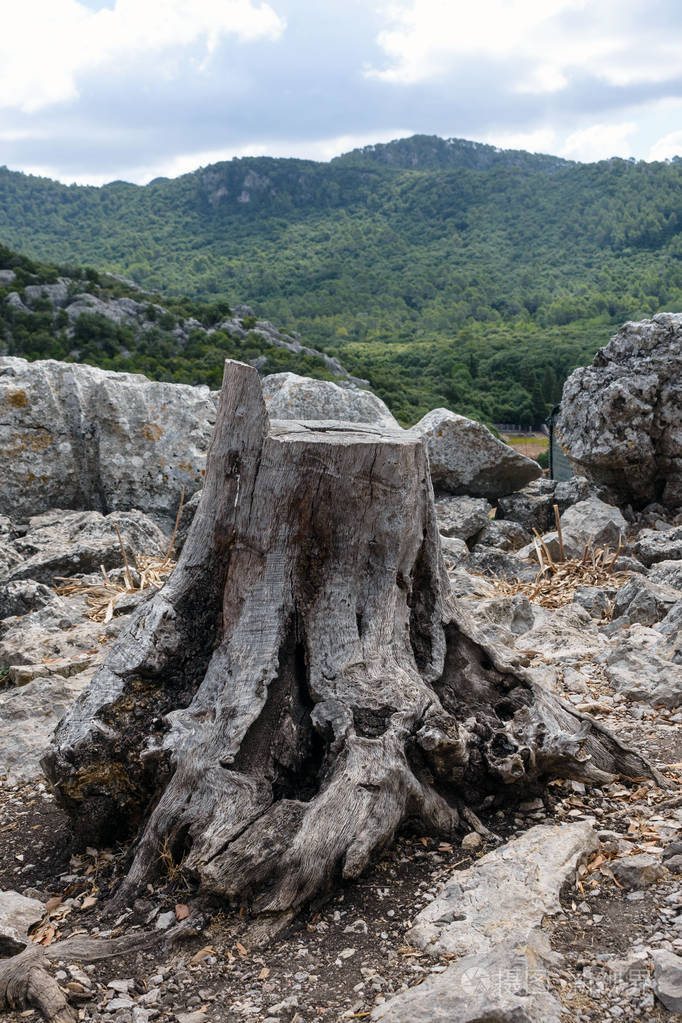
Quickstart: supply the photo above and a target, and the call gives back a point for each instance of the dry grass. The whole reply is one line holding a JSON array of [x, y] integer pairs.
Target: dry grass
[[102, 598], [557, 581], [150, 572]]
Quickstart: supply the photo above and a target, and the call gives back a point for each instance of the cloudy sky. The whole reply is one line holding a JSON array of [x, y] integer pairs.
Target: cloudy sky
[[95, 90]]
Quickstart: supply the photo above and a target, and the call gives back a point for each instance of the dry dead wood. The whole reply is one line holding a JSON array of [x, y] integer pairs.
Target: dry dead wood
[[26, 983], [303, 684]]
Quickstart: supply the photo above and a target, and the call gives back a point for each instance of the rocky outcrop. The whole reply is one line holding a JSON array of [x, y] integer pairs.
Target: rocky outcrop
[[491, 915], [78, 437], [621, 417], [288, 396], [465, 457]]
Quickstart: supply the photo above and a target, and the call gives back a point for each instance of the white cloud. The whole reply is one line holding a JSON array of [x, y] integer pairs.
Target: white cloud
[[426, 38], [539, 140], [546, 41], [599, 142], [45, 45], [667, 147]]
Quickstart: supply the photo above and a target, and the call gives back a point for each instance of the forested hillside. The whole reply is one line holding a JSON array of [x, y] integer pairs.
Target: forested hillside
[[445, 272], [77, 314]]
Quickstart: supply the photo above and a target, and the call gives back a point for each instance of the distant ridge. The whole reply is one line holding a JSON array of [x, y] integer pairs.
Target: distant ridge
[[444, 271]]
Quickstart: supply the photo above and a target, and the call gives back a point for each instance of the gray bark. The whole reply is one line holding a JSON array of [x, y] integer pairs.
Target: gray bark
[[304, 684]]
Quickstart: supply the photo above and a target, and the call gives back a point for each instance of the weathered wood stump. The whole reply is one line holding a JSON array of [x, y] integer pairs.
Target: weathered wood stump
[[303, 684]]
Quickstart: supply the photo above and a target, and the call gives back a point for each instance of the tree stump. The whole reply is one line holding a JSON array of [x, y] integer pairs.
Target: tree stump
[[303, 684]]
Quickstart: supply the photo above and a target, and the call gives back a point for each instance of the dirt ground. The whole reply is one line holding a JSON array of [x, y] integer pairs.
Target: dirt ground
[[341, 958]]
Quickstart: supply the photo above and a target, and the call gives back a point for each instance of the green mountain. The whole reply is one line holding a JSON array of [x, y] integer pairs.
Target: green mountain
[[445, 272]]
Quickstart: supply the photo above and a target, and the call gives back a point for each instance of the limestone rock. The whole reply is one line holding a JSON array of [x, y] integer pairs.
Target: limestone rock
[[52, 636], [567, 636], [638, 871], [491, 915], [506, 894], [667, 572], [465, 458], [17, 915], [671, 628], [288, 396], [65, 543], [502, 619], [640, 667], [596, 600], [644, 601], [454, 551], [591, 521], [668, 979], [655, 545], [23, 596], [477, 989], [531, 507], [503, 534], [462, 517], [621, 418], [494, 562], [28, 716], [73, 436]]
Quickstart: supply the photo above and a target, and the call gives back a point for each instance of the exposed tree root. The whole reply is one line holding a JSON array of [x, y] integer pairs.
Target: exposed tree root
[[26, 983]]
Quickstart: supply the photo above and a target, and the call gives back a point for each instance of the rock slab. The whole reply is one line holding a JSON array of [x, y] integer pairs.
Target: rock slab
[[17, 915], [491, 915]]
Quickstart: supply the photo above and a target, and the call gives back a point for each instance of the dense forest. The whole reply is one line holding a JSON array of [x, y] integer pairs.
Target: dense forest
[[444, 272]]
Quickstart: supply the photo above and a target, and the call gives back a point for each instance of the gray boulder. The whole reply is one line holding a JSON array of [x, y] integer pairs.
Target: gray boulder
[[288, 396], [531, 507], [639, 665], [493, 915], [462, 517], [465, 458], [29, 715], [23, 596], [621, 418], [17, 915], [667, 572], [656, 545], [454, 551], [493, 562], [644, 601], [596, 600], [668, 979], [640, 871], [591, 521], [671, 628], [506, 894], [83, 438], [503, 534]]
